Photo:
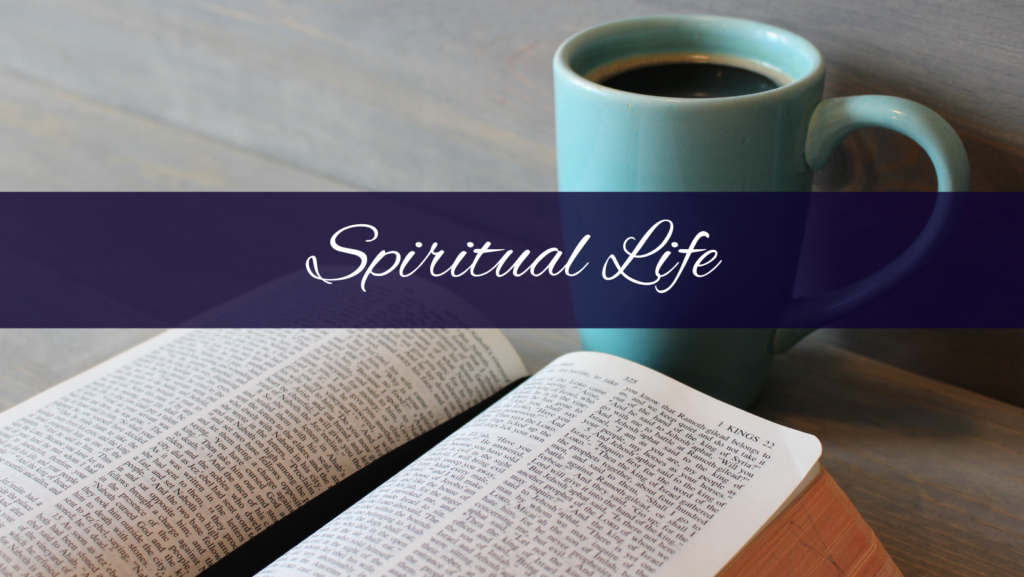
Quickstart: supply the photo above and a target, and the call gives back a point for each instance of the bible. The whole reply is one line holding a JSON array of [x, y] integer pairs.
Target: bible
[[197, 451]]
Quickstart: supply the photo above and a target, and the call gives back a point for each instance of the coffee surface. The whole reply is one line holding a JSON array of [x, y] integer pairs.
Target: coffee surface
[[689, 80]]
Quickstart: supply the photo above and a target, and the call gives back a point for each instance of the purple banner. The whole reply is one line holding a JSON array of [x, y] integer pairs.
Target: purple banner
[[511, 260]]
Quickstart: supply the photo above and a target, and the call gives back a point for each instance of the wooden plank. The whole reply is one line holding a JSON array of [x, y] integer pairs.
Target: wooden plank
[[875, 159], [986, 361], [56, 140], [935, 470], [396, 94]]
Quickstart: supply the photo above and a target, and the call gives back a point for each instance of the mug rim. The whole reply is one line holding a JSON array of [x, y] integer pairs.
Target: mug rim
[[583, 38]]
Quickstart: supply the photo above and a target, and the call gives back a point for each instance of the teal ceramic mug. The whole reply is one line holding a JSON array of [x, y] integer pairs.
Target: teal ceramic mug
[[614, 140]]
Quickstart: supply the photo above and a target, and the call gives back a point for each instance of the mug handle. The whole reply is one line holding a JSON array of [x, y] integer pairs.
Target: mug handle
[[831, 121]]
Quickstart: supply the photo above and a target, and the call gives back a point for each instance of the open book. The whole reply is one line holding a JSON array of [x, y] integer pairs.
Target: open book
[[169, 457]]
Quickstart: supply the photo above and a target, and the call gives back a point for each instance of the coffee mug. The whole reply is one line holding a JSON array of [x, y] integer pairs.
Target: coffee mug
[[615, 140]]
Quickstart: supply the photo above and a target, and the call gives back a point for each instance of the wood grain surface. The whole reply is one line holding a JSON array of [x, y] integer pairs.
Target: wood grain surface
[[935, 470], [986, 361], [436, 94], [58, 140]]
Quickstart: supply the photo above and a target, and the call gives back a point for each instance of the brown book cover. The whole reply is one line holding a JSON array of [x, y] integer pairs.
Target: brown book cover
[[820, 534]]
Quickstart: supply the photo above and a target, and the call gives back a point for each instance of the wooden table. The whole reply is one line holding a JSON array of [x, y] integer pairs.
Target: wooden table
[[442, 95], [937, 471]]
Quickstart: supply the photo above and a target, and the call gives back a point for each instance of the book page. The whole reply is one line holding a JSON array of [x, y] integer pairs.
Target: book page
[[595, 466], [164, 459]]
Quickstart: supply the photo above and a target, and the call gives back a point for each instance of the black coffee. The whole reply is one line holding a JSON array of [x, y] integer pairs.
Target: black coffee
[[688, 80]]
